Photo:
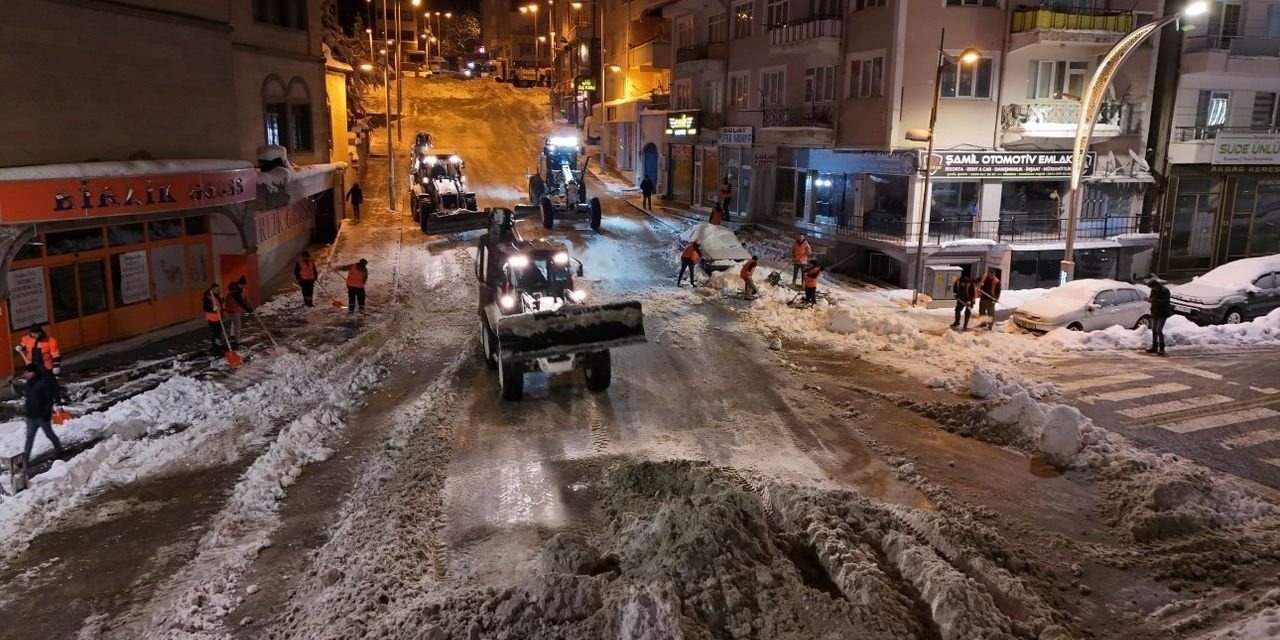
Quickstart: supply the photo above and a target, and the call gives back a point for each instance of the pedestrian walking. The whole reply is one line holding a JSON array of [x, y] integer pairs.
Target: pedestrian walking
[[304, 272], [234, 306], [717, 215], [811, 273], [748, 270], [357, 276], [1160, 312], [212, 304], [39, 394], [799, 257], [646, 192], [965, 292], [989, 293], [726, 191], [41, 350], [689, 259], [356, 196]]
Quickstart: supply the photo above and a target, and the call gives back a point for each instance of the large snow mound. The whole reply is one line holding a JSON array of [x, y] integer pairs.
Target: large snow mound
[[1178, 332]]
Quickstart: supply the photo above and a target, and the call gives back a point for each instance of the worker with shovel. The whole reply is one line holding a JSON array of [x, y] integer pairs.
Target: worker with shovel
[[304, 271], [235, 305], [213, 315], [39, 394], [989, 292], [40, 350], [357, 276]]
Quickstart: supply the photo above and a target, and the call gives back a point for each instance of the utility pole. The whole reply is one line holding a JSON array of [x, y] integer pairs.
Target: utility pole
[[399, 79], [603, 70]]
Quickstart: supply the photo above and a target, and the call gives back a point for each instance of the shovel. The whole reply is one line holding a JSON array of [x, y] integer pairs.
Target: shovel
[[61, 416], [337, 304], [275, 346], [233, 359]]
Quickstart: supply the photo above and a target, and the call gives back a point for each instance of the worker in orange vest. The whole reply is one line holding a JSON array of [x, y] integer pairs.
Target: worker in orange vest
[[811, 274], [234, 304], [749, 270], [357, 276], [799, 257], [304, 272], [41, 350], [689, 260], [717, 215], [212, 304]]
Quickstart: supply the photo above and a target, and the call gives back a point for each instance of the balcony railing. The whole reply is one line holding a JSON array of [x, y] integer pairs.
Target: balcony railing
[[1011, 228], [1205, 133], [1058, 113], [807, 116], [1251, 46], [1071, 19], [703, 51], [801, 32]]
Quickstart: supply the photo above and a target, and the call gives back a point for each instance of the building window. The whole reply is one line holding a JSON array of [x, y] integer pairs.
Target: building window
[[739, 86], [684, 32], [955, 206], [62, 292], [78, 241], [859, 5], [1264, 115], [776, 12], [1211, 110], [717, 28], [820, 84], [713, 96], [1224, 23], [820, 9], [743, 15], [290, 14], [683, 94], [970, 81], [772, 87], [866, 77], [1252, 233], [287, 114], [972, 3], [1056, 80]]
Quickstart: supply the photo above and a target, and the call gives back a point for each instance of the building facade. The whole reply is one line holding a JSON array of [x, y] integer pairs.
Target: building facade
[[131, 175]]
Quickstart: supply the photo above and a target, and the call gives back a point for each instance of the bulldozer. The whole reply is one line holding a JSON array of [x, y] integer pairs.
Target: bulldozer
[[557, 190], [438, 195], [532, 313]]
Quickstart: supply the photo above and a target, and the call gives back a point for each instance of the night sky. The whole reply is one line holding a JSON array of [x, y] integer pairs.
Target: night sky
[[348, 9]]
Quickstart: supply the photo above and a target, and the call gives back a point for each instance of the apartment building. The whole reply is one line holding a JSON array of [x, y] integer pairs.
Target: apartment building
[[131, 175], [636, 86], [1222, 200], [804, 107]]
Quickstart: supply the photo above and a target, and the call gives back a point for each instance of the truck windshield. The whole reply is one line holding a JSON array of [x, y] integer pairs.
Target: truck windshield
[[543, 275]]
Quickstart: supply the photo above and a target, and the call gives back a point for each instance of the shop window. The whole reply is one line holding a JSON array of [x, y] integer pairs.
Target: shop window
[[164, 229], [885, 203], [63, 242], [119, 235], [1255, 219], [93, 287], [969, 80], [31, 250], [197, 225], [829, 197], [955, 207], [119, 284], [1194, 210], [784, 191], [62, 291]]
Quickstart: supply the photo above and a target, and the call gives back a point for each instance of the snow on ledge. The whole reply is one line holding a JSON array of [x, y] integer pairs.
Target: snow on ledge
[[78, 170], [969, 242]]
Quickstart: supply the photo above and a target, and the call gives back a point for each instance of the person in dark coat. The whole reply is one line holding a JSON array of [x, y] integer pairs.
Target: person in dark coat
[[38, 396], [989, 293], [646, 190], [1160, 312], [966, 292], [356, 196]]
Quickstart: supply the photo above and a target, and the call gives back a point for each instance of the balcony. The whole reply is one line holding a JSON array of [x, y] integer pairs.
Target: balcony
[[821, 35], [1058, 119], [813, 116], [1067, 26], [654, 55], [1011, 228], [701, 52], [1240, 55]]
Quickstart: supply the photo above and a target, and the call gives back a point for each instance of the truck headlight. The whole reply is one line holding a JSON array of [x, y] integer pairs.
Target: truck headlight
[[577, 295], [562, 258], [508, 301], [518, 262]]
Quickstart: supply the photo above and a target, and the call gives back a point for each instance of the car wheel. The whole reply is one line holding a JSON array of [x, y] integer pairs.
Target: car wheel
[[1143, 323], [1075, 326], [1233, 316]]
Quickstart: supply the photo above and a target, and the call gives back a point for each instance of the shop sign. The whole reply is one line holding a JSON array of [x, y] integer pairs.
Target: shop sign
[[27, 295], [1245, 169], [586, 84], [274, 222], [1007, 164], [80, 198], [682, 124], [893, 163], [1245, 148], [736, 136], [133, 277]]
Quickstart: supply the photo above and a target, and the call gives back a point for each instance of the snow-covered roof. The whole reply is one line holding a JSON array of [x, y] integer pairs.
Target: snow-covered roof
[[78, 170]]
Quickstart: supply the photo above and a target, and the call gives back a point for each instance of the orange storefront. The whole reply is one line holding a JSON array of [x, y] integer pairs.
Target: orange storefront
[[101, 258]]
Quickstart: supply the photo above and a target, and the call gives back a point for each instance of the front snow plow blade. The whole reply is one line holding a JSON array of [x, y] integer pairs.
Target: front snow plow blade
[[570, 329], [455, 221]]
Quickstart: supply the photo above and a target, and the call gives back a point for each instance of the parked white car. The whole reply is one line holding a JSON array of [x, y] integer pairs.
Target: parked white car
[[1235, 292], [1087, 305], [721, 249]]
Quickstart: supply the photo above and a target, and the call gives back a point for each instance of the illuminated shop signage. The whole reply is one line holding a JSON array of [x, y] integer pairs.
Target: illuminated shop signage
[[684, 124]]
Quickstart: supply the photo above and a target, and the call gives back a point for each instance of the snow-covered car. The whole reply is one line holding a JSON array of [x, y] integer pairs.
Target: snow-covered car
[[1086, 305], [721, 249], [1232, 293]]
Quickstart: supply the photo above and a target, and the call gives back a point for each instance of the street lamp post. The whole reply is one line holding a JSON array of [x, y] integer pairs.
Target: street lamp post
[[391, 156], [1090, 104], [968, 56]]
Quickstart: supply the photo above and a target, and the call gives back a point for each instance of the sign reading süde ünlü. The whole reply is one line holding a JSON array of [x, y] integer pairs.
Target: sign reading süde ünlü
[[1246, 148]]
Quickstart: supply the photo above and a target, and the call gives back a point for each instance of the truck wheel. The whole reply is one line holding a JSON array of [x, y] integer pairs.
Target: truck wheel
[[413, 207], [599, 371], [424, 221], [595, 214], [536, 188], [511, 380], [548, 212], [487, 341]]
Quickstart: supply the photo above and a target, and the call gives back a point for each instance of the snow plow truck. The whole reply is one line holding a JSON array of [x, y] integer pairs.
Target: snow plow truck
[[557, 191], [438, 196], [532, 316]]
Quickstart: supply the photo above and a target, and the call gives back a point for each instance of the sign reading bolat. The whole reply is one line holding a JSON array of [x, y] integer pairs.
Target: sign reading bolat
[[684, 123], [77, 198], [1006, 164]]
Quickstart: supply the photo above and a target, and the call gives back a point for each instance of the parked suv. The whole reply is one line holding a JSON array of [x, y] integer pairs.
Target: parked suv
[[1232, 293]]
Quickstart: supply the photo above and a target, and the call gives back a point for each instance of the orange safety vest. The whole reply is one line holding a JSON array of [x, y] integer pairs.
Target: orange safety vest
[[748, 269], [49, 353], [690, 253], [306, 270], [800, 252], [212, 307], [811, 277], [230, 304], [356, 277]]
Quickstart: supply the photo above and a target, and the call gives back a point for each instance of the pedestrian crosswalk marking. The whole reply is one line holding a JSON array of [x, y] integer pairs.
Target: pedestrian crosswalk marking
[[1172, 406], [1275, 462], [1266, 390], [1219, 420], [1250, 439], [1199, 372], [1135, 393], [1103, 381]]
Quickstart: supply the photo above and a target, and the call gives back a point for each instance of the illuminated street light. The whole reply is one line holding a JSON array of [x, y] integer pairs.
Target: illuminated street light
[[615, 68]]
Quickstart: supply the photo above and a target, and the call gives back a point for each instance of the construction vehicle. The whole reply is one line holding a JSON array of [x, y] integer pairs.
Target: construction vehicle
[[438, 196], [557, 190], [532, 314]]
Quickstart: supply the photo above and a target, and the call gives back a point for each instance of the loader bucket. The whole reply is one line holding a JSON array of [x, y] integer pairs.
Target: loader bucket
[[570, 329], [455, 221]]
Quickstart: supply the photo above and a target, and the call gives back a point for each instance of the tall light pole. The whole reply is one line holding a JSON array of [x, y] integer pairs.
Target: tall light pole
[[370, 32], [391, 156], [1090, 104], [968, 56]]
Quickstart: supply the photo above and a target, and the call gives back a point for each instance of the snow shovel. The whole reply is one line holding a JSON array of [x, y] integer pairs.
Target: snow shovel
[[337, 304], [233, 359], [61, 416]]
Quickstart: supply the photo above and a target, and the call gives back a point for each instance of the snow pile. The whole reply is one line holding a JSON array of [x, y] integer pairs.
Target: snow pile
[[1178, 332], [1263, 625], [844, 320]]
